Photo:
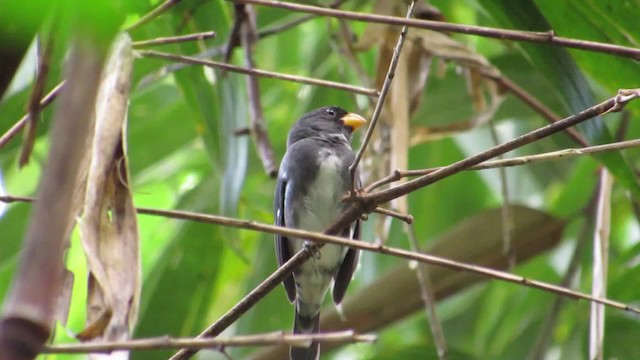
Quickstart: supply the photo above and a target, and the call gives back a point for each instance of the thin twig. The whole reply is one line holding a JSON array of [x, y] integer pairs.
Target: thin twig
[[347, 52], [175, 39], [407, 218], [547, 37], [153, 14], [45, 51], [428, 297], [165, 342], [535, 104], [322, 238], [369, 203], [516, 161], [234, 34], [250, 299], [20, 124], [383, 95], [286, 26], [370, 200], [263, 73], [541, 343], [248, 38], [219, 50]]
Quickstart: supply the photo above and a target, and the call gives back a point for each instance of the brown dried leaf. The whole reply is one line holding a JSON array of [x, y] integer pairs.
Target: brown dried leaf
[[109, 227], [96, 328]]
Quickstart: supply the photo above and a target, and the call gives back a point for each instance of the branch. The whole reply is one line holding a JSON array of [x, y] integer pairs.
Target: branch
[[355, 244], [153, 14], [407, 218], [383, 96], [20, 124], [275, 338], [535, 104], [45, 51], [428, 297], [219, 50], [248, 38], [615, 103], [256, 72], [175, 39], [368, 202], [516, 161], [541, 343], [547, 37], [29, 307], [260, 291]]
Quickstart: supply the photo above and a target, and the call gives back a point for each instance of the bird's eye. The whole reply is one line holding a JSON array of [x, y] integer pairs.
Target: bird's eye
[[331, 112]]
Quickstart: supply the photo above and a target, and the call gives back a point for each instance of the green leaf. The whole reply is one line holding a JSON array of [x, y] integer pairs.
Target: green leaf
[[180, 288], [565, 79]]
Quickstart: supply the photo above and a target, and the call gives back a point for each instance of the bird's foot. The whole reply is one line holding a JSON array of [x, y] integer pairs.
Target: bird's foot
[[353, 195], [315, 251]]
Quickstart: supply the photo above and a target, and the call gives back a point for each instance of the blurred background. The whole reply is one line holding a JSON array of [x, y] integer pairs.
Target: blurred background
[[190, 147]]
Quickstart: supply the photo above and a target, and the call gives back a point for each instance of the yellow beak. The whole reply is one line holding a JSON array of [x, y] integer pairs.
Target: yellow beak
[[353, 120]]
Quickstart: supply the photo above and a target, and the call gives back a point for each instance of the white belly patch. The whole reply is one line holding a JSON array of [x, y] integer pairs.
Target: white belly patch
[[321, 209]]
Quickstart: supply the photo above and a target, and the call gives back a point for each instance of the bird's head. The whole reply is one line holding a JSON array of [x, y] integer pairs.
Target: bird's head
[[326, 122]]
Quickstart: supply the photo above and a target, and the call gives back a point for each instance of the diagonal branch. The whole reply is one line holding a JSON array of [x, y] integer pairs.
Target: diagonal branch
[[615, 103], [256, 72], [153, 14], [45, 52], [547, 37], [368, 202], [386, 86], [516, 161], [533, 103], [428, 297], [248, 37], [20, 124], [175, 39], [323, 238]]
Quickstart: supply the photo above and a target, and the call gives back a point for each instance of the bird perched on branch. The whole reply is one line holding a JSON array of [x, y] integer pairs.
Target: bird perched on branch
[[312, 180]]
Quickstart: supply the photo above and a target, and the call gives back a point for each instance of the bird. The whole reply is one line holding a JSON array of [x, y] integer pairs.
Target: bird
[[312, 180]]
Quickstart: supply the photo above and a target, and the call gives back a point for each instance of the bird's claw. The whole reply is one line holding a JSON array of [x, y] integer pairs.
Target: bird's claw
[[315, 251], [353, 195]]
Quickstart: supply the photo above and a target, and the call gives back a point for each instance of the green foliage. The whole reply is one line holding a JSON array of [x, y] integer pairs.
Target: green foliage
[[183, 154]]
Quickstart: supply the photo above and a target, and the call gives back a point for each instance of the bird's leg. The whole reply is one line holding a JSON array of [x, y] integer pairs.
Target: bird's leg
[[352, 196], [315, 251]]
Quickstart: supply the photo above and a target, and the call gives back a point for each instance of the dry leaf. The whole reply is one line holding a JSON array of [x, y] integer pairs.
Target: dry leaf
[[109, 227]]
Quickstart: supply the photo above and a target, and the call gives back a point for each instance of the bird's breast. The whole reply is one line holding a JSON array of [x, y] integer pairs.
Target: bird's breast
[[322, 202], [322, 205]]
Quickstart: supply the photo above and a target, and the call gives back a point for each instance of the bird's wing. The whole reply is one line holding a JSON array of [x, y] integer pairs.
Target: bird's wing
[[283, 251], [350, 262]]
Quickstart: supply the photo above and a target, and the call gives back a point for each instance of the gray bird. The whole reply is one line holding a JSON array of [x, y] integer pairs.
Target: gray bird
[[313, 178]]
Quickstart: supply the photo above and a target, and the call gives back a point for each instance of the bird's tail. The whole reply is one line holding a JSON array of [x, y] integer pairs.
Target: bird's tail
[[305, 325]]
